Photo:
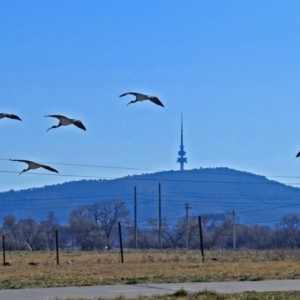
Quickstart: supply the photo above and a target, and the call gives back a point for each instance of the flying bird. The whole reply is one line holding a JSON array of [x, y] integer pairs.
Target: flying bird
[[298, 154], [64, 121], [33, 165], [142, 97], [10, 116]]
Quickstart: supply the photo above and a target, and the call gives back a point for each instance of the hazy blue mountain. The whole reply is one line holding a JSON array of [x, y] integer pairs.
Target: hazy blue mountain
[[255, 198]]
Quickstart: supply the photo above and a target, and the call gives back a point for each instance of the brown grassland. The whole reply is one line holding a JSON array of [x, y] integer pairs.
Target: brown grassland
[[210, 295], [98, 268]]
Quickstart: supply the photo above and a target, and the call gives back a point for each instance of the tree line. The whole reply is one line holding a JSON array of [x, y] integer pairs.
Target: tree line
[[95, 227]]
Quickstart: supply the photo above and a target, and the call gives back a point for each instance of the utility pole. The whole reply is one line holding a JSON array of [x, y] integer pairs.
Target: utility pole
[[135, 218], [159, 216], [233, 223], [187, 207]]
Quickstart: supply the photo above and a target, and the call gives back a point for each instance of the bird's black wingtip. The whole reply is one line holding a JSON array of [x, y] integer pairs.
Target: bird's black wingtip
[[160, 104], [298, 154]]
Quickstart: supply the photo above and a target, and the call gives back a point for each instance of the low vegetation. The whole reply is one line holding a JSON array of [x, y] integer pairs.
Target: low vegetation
[[210, 295], [103, 268]]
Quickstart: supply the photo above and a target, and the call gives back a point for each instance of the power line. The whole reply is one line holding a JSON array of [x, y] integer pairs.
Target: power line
[[250, 211], [134, 177], [69, 204], [50, 174], [149, 196], [208, 171], [94, 166], [259, 222]]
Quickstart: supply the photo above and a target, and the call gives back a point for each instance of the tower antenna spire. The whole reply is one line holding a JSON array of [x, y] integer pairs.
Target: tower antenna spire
[[181, 159]]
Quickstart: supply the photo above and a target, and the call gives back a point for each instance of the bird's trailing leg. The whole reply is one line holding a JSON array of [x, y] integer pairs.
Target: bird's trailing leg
[[133, 101], [52, 127]]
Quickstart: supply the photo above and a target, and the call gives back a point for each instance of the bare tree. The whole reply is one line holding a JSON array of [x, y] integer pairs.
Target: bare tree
[[173, 235], [92, 225], [11, 227], [291, 230], [31, 234], [109, 213], [215, 227], [148, 238], [81, 228], [48, 228]]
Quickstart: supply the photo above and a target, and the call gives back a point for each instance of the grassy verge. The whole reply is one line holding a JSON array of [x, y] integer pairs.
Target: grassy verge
[[103, 268], [210, 295]]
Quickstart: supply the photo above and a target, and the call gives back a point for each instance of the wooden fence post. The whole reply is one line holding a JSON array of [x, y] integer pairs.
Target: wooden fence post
[[201, 238], [57, 253], [121, 244], [3, 249]]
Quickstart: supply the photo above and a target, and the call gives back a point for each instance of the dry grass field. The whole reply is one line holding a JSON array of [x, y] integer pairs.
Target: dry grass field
[[210, 295], [96, 268]]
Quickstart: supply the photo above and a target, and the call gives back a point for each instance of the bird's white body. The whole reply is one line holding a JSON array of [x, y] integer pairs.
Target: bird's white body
[[142, 97], [64, 121], [33, 165]]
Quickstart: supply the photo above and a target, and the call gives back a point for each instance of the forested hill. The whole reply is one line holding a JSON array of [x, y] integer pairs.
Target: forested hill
[[254, 198]]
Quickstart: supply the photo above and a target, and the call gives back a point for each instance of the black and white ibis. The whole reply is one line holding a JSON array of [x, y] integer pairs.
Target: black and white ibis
[[33, 165], [142, 97], [64, 121], [10, 116]]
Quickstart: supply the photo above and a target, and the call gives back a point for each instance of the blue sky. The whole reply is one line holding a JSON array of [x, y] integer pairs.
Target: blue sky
[[231, 67]]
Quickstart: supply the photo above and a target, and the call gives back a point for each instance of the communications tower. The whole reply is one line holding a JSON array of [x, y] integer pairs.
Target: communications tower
[[181, 159]]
